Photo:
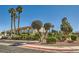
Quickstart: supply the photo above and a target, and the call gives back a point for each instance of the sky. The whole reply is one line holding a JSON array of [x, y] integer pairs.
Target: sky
[[45, 13]]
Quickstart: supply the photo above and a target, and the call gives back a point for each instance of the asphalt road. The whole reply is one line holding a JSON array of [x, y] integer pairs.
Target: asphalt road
[[14, 49], [6, 48]]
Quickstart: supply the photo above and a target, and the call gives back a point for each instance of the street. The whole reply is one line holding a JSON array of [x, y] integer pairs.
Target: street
[[6, 47], [13, 49]]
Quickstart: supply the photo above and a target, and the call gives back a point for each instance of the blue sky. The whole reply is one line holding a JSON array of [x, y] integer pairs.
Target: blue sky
[[45, 13]]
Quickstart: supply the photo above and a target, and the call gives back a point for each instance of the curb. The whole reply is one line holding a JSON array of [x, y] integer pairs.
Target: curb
[[48, 49]]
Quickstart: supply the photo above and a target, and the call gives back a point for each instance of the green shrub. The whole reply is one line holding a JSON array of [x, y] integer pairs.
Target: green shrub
[[49, 34], [24, 36], [20, 37], [35, 37], [51, 39], [63, 38], [59, 37], [73, 37], [16, 37]]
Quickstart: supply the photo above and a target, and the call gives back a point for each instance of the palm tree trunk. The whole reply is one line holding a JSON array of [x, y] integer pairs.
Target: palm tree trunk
[[14, 26], [11, 25], [18, 21]]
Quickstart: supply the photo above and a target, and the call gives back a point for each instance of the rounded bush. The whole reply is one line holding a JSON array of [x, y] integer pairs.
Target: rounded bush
[[73, 37]]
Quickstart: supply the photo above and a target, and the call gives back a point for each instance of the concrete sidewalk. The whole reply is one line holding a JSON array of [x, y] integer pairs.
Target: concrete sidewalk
[[51, 48]]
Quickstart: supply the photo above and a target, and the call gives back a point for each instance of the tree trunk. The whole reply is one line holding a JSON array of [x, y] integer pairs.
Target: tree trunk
[[11, 25], [14, 25], [39, 35], [43, 40], [44, 37], [18, 21]]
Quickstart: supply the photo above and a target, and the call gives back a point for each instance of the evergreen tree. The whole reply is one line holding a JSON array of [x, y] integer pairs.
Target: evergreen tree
[[65, 26]]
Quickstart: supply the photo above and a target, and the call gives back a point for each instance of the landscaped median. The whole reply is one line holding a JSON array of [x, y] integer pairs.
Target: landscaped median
[[51, 48]]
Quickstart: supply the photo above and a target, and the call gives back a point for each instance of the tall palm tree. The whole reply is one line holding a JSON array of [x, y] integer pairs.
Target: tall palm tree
[[14, 18], [11, 13], [19, 9]]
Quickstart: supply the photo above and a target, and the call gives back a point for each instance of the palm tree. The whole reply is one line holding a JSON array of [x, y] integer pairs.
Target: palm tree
[[14, 18], [11, 13], [19, 9]]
